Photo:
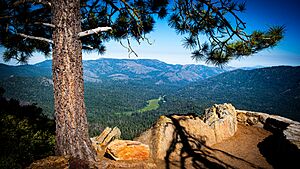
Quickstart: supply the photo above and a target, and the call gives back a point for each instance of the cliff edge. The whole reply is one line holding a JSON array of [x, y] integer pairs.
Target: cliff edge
[[223, 137]]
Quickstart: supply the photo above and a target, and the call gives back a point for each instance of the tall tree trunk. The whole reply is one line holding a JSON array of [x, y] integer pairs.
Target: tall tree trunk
[[71, 121]]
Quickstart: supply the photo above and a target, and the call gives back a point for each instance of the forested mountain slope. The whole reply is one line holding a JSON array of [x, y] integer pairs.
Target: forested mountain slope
[[274, 90], [117, 91]]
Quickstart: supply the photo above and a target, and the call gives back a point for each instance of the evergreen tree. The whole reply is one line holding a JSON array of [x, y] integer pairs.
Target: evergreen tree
[[66, 27], [26, 134]]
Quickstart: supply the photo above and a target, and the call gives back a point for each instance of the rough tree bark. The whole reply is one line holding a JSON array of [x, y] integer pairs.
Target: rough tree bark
[[71, 121]]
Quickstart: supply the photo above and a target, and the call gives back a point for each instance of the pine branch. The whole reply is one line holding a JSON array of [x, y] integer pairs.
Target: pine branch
[[225, 21], [87, 47], [35, 38], [44, 2], [93, 6], [92, 31], [113, 5], [128, 8], [45, 24], [129, 48]]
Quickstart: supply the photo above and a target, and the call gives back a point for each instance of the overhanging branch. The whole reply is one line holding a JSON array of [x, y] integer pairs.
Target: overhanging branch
[[45, 24], [92, 31], [87, 47], [35, 38]]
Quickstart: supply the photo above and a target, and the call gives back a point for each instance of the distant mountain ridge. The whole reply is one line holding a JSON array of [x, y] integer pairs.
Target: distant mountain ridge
[[154, 71], [126, 85], [274, 90]]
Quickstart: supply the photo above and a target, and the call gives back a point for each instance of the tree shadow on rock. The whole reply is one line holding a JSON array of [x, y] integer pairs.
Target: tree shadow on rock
[[277, 150], [194, 153]]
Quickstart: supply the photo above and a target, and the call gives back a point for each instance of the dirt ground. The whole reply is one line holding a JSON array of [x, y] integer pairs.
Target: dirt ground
[[240, 151], [244, 146]]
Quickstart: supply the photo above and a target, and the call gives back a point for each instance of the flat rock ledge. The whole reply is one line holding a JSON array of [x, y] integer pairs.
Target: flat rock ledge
[[287, 128]]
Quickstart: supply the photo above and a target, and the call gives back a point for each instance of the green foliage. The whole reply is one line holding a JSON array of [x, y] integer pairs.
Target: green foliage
[[152, 105], [218, 20], [105, 102], [130, 125], [22, 18], [25, 134], [272, 90], [224, 29], [39, 92], [129, 19]]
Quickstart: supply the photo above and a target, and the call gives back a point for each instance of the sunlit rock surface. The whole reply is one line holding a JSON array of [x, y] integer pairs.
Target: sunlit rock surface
[[128, 150], [174, 131]]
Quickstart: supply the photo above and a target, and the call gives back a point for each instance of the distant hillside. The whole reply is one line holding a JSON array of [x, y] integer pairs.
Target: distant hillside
[[7, 71], [116, 91], [107, 103], [100, 98], [152, 71], [274, 90], [124, 86]]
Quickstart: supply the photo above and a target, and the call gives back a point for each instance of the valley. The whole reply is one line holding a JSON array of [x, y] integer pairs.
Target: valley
[[152, 104], [126, 93]]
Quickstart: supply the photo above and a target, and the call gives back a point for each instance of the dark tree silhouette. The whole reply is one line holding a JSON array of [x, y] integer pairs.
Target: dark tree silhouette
[[26, 134], [28, 26]]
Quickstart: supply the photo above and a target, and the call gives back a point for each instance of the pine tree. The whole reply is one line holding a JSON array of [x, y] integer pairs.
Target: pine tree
[[64, 28]]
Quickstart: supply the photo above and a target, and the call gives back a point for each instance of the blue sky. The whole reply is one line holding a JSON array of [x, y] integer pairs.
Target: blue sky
[[260, 14]]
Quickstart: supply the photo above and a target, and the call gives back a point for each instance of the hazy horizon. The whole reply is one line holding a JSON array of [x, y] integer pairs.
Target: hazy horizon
[[209, 65]]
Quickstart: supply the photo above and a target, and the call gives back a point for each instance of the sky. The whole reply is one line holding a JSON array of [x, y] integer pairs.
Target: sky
[[259, 15]]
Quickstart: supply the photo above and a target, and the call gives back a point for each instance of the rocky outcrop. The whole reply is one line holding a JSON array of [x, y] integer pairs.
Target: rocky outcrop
[[128, 150], [251, 118], [171, 133], [100, 142], [222, 119], [292, 133], [108, 143], [282, 148], [287, 128]]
